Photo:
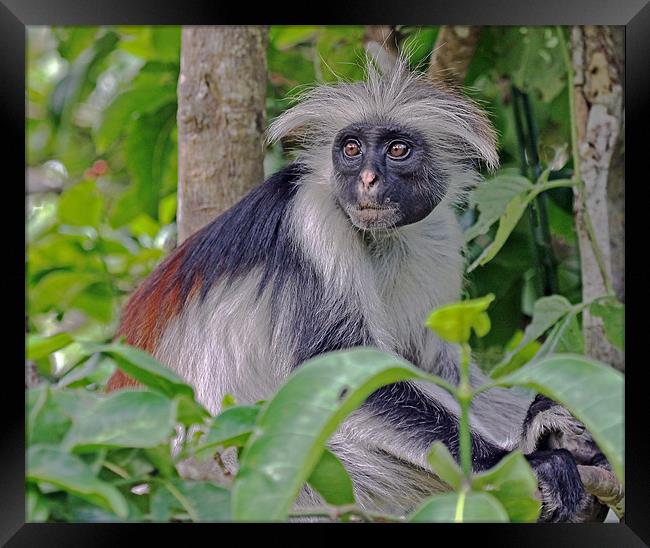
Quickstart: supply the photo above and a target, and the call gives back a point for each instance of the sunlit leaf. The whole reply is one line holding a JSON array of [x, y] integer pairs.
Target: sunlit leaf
[[81, 205], [38, 347], [454, 322]]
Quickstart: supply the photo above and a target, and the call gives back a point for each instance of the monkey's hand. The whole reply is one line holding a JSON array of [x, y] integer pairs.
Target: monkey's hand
[[554, 443]]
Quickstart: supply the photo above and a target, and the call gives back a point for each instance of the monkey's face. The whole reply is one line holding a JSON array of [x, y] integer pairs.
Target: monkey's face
[[386, 175]]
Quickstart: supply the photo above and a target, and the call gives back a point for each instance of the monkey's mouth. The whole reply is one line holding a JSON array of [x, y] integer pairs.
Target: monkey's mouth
[[373, 216]]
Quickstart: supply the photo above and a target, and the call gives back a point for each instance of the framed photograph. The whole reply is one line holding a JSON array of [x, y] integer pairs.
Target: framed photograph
[[366, 270]]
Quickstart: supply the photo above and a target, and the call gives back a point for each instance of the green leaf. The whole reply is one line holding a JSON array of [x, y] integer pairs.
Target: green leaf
[[46, 420], [227, 401], [570, 339], [81, 205], [513, 482], [331, 480], [144, 224], [124, 419], [612, 312], [37, 508], [75, 40], [454, 321], [492, 198], [523, 354], [57, 289], [461, 508], [78, 510], [444, 465], [286, 37], [167, 42], [77, 82], [232, 427], [293, 427], [148, 148], [75, 402], [161, 457], [591, 390], [507, 222], [38, 347], [125, 109], [145, 369], [96, 300], [546, 313], [167, 209], [68, 472], [126, 208], [200, 500]]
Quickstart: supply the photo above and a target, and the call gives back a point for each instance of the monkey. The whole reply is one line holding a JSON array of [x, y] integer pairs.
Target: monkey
[[353, 244]]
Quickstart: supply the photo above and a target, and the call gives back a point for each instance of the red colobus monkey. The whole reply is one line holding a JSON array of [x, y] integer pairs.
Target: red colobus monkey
[[352, 245]]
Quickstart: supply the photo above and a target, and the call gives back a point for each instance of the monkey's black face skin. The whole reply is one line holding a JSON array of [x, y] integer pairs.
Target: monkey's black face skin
[[386, 175]]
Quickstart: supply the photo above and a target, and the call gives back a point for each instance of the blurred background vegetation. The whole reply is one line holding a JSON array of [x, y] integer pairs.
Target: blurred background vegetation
[[102, 165]]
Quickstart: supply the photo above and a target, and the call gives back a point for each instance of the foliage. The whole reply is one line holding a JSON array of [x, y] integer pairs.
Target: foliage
[[102, 165], [114, 457]]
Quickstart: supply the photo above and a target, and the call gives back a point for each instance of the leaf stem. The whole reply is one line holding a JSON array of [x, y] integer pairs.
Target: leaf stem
[[465, 395], [460, 506], [116, 469], [182, 499]]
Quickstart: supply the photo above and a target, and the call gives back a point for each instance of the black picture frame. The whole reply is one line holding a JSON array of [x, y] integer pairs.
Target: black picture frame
[[15, 15]]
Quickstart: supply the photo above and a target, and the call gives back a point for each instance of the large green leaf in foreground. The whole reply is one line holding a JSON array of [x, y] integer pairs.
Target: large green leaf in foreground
[[591, 390], [292, 430]]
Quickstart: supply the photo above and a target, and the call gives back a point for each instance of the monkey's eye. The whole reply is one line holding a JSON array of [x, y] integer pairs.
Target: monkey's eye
[[398, 149], [352, 148]]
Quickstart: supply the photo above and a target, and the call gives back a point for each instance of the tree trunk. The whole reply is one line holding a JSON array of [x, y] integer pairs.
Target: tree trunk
[[616, 181], [221, 118], [452, 53], [381, 44], [598, 97]]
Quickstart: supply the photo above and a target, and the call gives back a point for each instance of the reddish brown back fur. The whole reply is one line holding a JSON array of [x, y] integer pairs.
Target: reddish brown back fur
[[148, 310]]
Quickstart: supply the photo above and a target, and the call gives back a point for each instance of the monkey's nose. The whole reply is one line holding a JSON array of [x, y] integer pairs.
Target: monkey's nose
[[368, 178]]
